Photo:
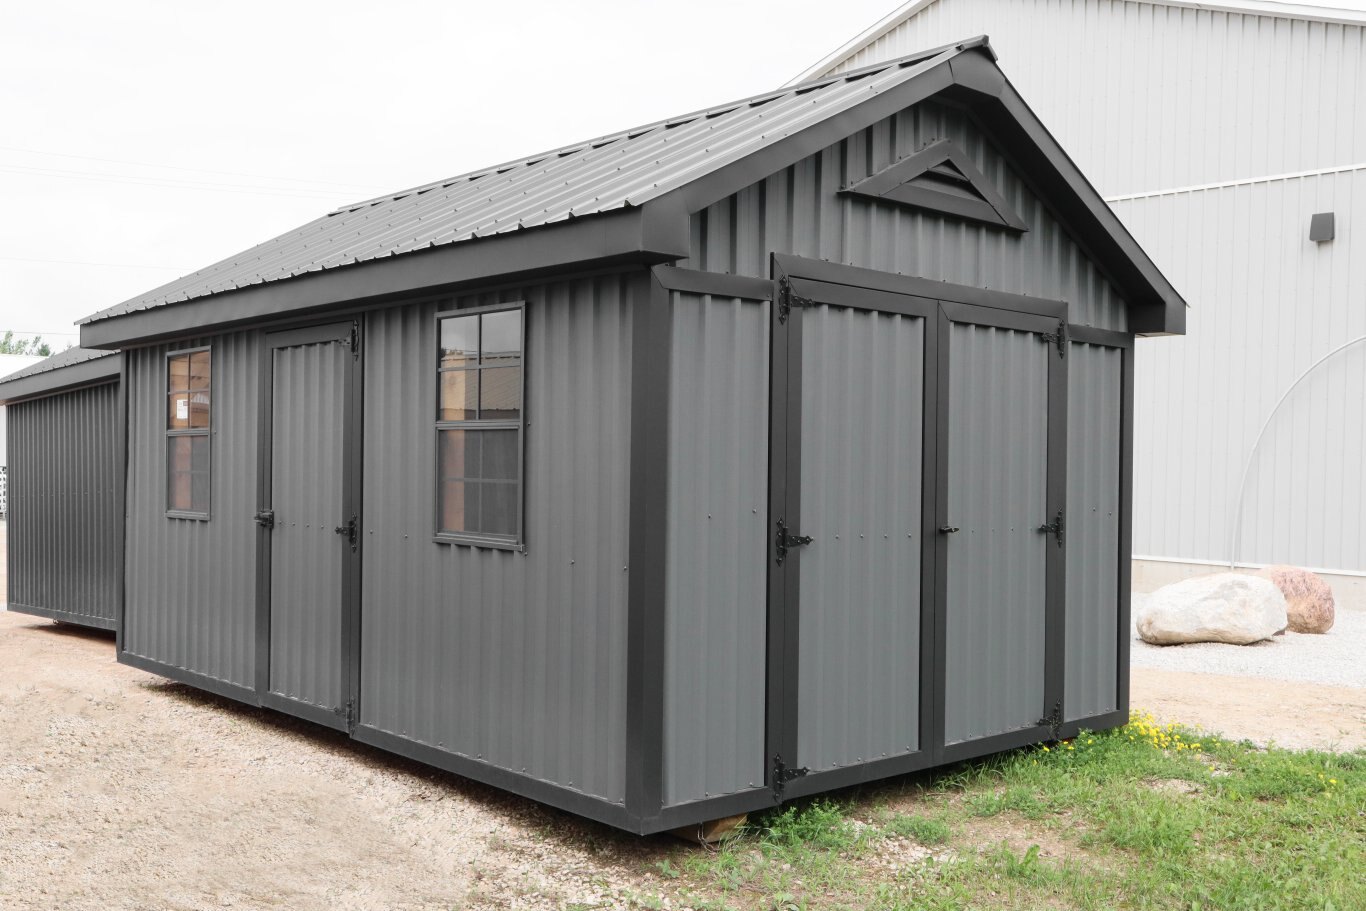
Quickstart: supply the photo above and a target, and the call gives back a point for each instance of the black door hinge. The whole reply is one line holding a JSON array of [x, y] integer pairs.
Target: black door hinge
[[350, 530], [1053, 721], [784, 539], [347, 712], [1058, 338], [266, 518], [782, 775], [787, 299], [1054, 528], [355, 339]]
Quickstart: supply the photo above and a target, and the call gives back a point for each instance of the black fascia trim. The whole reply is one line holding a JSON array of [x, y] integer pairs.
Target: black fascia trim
[[872, 279], [62, 379], [625, 236], [539, 790], [1105, 338], [717, 284], [48, 613]]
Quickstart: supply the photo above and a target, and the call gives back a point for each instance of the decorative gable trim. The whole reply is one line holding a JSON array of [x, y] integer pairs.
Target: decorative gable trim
[[940, 178]]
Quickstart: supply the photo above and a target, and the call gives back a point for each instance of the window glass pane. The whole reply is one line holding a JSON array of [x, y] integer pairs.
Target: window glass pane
[[500, 393], [178, 372], [199, 370], [500, 455], [199, 409], [459, 454], [459, 395], [199, 491], [187, 473], [502, 336], [178, 411], [199, 453], [459, 341], [459, 506], [499, 513]]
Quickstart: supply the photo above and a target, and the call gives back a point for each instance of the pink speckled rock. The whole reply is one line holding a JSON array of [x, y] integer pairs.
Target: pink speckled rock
[[1308, 599]]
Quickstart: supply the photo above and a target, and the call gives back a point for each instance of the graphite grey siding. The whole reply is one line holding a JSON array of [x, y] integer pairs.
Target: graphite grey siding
[[1094, 404], [797, 211], [63, 518], [861, 447], [997, 473], [717, 548], [191, 584], [513, 659]]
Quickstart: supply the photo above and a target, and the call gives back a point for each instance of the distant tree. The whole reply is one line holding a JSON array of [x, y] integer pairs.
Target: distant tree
[[33, 347]]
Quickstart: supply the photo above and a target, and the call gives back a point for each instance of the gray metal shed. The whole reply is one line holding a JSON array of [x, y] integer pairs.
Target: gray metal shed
[[64, 535], [663, 477]]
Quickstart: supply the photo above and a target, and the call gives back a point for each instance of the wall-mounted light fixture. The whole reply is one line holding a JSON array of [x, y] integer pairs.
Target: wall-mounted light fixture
[[1321, 228]]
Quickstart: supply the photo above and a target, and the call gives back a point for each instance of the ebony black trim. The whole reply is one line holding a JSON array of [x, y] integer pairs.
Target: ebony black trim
[[872, 279], [848, 776], [121, 532], [61, 379], [224, 688], [328, 718], [49, 613], [1105, 337], [539, 790], [1055, 567], [695, 812], [522, 257], [1126, 519], [997, 743], [651, 357], [718, 284], [779, 703]]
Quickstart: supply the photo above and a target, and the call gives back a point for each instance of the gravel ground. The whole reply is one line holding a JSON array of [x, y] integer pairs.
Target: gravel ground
[[1336, 658]]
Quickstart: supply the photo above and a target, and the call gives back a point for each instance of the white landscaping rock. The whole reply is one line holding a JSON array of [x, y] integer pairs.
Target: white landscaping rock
[[1223, 607]]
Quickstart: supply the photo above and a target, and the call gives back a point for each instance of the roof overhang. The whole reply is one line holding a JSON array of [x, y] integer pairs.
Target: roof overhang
[[595, 241], [61, 379]]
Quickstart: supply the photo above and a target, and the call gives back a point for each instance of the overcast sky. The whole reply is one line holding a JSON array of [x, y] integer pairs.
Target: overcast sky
[[142, 140]]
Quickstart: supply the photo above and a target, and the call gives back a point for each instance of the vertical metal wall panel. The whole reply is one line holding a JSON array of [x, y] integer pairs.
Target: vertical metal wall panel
[[1147, 96], [997, 487], [63, 505], [717, 548], [1093, 510], [307, 445], [191, 584], [517, 659], [1267, 304], [862, 412], [798, 211]]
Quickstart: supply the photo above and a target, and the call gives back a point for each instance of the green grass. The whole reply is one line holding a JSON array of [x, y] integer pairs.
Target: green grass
[[1142, 817]]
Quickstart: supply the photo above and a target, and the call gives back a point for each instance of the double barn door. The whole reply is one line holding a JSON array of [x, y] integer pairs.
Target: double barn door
[[915, 581]]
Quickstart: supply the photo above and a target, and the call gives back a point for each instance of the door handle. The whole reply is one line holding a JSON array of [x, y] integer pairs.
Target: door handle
[[948, 529]]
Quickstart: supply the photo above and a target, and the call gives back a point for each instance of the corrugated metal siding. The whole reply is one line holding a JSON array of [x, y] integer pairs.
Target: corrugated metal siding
[[614, 172], [1095, 380], [307, 445], [797, 211], [714, 674], [64, 477], [1267, 304], [862, 412], [515, 659], [997, 474], [1148, 97], [191, 584]]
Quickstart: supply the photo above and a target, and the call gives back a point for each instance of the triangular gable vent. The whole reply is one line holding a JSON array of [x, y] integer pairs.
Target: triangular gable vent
[[941, 178]]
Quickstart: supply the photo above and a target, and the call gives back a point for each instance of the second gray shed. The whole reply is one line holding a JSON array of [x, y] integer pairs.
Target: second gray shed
[[670, 475], [65, 520]]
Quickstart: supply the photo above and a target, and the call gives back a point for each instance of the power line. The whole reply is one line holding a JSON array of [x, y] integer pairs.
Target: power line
[[43, 332], [167, 183], [82, 262], [171, 167]]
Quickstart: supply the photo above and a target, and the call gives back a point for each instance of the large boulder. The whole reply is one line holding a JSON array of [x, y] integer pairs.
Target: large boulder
[[1308, 599], [1223, 607]]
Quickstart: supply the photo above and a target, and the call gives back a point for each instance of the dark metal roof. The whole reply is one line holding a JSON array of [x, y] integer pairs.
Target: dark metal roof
[[72, 367], [613, 172]]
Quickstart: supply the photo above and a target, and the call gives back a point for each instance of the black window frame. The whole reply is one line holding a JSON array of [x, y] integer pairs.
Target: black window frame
[[515, 542], [170, 433]]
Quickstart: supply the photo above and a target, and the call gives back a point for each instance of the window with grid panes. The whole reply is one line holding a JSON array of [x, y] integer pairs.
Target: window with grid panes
[[479, 425], [188, 407]]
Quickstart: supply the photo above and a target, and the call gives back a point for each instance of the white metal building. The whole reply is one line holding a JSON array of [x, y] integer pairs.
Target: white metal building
[[1216, 131]]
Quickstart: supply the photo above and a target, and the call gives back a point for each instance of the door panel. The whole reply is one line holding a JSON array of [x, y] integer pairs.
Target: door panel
[[861, 437], [308, 643], [997, 497]]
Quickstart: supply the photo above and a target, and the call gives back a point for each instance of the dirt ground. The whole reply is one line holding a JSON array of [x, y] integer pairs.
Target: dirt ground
[[120, 790]]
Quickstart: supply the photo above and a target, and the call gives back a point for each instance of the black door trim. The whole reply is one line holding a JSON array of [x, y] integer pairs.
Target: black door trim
[[347, 333]]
